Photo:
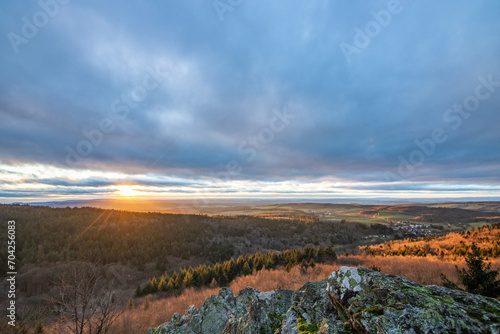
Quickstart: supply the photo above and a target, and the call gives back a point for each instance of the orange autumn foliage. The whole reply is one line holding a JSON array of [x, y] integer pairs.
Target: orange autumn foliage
[[423, 270]]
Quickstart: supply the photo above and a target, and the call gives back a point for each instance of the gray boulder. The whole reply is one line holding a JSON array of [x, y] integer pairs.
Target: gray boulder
[[350, 300], [372, 302]]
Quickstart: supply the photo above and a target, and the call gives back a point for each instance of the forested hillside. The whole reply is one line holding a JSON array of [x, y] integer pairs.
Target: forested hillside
[[134, 246], [487, 238], [178, 253], [222, 274], [46, 235], [130, 247]]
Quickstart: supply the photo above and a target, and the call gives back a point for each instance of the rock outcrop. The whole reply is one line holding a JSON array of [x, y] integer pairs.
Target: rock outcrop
[[350, 300]]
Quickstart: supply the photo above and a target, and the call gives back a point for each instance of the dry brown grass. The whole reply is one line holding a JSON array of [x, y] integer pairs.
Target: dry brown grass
[[452, 245], [139, 319], [423, 270]]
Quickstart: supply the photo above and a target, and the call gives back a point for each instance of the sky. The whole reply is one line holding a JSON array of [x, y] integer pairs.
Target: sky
[[249, 99]]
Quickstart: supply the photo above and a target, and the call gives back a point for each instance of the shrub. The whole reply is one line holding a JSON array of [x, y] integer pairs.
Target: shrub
[[478, 278], [40, 328]]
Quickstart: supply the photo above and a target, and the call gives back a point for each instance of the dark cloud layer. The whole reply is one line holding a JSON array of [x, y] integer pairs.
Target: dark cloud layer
[[169, 88]]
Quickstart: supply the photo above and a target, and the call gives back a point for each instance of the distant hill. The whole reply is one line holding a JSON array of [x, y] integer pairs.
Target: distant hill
[[151, 243]]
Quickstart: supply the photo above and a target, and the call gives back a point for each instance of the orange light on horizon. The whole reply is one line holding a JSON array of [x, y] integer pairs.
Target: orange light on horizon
[[128, 191]]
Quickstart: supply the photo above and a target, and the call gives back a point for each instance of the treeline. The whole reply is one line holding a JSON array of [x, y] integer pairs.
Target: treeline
[[47, 235], [224, 273], [453, 244]]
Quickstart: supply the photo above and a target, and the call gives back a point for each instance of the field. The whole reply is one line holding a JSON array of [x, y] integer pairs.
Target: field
[[450, 216], [455, 216]]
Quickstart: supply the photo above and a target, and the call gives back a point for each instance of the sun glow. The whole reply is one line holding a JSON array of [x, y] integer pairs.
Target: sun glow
[[127, 191]]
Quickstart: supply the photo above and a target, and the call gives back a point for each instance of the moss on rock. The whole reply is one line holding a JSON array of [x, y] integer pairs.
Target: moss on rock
[[350, 300]]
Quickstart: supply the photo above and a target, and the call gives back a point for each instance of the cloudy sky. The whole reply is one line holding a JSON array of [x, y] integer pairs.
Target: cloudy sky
[[257, 99]]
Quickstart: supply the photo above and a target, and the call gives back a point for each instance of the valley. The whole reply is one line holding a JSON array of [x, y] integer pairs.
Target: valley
[[130, 248]]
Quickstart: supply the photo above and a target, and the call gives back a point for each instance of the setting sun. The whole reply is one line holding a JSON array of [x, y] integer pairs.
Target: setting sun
[[127, 191]]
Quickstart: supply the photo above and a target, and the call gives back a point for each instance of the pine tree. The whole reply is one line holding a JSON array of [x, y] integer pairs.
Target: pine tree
[[247, 269], [479, 278], [188, 278], [197, 279], [138, 291]]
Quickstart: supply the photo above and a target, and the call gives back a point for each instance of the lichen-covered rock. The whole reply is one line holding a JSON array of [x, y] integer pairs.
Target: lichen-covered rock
[[311, 306], [377, 303], [212, 316], [265, 312], [244, 299], [351, 300]]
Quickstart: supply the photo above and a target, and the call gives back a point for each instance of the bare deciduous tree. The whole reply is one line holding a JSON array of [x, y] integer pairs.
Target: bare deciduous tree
[[85, 301]]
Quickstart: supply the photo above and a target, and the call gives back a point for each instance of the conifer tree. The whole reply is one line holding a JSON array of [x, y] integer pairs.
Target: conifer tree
[[478, 278], [138, 291]]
